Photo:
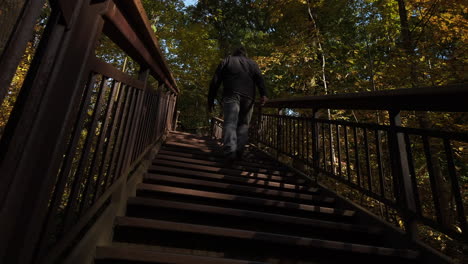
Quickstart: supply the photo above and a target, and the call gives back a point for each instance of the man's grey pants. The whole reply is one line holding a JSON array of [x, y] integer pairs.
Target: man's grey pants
[[237, 114]]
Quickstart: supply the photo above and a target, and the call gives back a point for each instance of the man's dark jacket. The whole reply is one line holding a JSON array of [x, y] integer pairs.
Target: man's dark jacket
[[238, 74]]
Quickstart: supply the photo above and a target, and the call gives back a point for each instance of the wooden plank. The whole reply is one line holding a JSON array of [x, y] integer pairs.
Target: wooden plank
[[213, 157], [164, 156], [247, 200], [287, 220], [242, 188], [240, 179], [450, 98], [263, 237], [150, 256], [227, 171], [108, 70]]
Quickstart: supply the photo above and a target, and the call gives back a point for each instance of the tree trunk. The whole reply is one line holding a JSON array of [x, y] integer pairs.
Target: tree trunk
[[443, 187], [324, 76]]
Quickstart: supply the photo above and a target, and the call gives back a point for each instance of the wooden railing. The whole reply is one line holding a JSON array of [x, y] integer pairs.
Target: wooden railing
[[416, 176], [379, 160], [80, 129]]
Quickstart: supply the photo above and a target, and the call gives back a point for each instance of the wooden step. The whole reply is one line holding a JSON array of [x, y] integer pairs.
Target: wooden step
[[128, 254], [219, 159], [227, 171], [193, 141], [246, 180], [260, 159], [220, 164], [194, 144], [182, 133], [224, 216], [170, 135], [220, 237], [243, 202], [189, 146], [230, 188]]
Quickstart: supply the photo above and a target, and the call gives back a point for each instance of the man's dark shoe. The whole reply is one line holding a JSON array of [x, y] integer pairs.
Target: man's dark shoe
[[239, 154], [229, 159]]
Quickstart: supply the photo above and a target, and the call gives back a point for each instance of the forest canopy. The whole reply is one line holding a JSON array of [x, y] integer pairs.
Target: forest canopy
[[313, 47]]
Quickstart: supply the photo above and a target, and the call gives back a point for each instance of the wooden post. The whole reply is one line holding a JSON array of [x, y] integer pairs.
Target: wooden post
[[259, 123], [402, 180], [315, 143], [42, 126], [278, 133]]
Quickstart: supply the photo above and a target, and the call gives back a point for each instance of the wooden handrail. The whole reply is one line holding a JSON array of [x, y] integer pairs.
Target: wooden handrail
[[450, 98], [129, 28]]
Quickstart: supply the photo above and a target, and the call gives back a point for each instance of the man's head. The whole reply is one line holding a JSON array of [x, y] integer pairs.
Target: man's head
[[240, 51]]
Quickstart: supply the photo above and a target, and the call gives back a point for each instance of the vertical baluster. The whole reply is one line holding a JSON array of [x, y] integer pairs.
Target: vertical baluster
[[307, 141], [80, 175], [348, 161], [140, 138], [282, 128], [287, 136], [68, 162], [259, 128], [430, 169], [154, 109], [262, 118], [296, 140], [95, 168], [332, 154], [315, 142], [151, 115], [269, 131], [456, 189], [149, 134], [356, 156], [338, 149], [378, 141], [111, 144], [284, 135], [303, 141], [324, 147], [119, 137], [276, 133], [279, 132], [290, 135], [272, 132], [412, 173], [368, 163], [122, 165]]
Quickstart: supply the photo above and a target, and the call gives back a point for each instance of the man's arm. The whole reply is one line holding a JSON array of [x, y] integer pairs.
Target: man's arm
[[214, 86], [260, 83]]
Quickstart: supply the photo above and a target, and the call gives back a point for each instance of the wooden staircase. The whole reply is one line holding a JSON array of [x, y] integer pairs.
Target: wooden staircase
[[191, 209]]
